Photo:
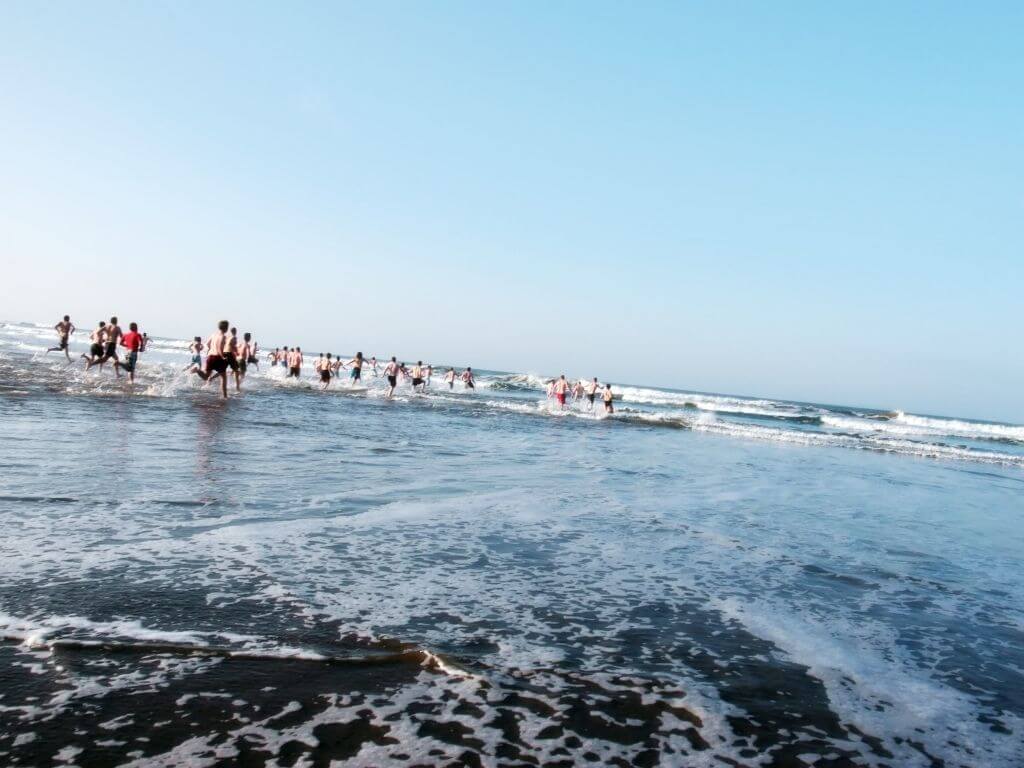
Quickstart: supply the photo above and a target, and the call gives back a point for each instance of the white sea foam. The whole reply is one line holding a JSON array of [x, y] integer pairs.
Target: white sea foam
[[871, 443], [921, 426], [871, 684]]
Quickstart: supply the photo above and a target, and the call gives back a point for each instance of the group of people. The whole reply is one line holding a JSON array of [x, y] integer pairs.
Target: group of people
[[104, 342], [328, 366], [420, 376], [560, 390], [224, 351]]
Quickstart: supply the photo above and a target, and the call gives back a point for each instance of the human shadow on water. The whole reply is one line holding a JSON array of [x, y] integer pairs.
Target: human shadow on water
[[209, 427]]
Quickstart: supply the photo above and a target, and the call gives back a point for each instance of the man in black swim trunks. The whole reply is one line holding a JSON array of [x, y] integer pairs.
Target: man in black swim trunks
[[324, 366], [244, 356], [64, 329], [608, 397], [592, 393], [231, 355], [417, 377], [113, 335], [254, 350], [216, 361], [391, 372], [96, 348], [295, 363]]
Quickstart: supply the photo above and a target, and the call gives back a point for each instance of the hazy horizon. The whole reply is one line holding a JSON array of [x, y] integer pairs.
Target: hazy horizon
[[806, 203]]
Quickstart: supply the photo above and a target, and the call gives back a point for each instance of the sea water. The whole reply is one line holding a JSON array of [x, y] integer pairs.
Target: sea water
[[295, 577]]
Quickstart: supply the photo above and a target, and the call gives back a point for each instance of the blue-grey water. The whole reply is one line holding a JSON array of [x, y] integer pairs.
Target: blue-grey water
[[296, 577]]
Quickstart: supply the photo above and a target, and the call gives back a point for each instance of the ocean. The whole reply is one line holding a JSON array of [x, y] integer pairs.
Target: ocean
[[295, 577]]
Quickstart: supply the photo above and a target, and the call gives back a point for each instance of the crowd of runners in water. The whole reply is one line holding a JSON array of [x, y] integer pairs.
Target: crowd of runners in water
[[222, 351]]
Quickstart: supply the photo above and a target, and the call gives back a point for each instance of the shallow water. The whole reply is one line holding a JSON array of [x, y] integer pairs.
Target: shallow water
[[293, 577]]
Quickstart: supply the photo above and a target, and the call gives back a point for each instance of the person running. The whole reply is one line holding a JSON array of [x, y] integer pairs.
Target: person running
[[608, 397], [113, 336], [295, 363], [356, 374], [373, 366], [561, 389], [245, 356], [231, 355], [391, 372], [196, 350], [325, 369], [417, 376], [135, 343], [336, 366], [450, 378], [467, 378], [98, 337], [577, 390], [64, 330], [591, 393], [253, 358], [216, 357]]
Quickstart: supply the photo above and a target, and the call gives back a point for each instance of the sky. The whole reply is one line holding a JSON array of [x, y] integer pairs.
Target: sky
[[813, 201]]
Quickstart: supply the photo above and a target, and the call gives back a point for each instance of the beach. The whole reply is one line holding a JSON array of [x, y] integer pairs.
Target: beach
[[294, 577]]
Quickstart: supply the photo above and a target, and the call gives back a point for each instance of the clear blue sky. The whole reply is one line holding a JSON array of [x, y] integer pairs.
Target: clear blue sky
[[819, 201]]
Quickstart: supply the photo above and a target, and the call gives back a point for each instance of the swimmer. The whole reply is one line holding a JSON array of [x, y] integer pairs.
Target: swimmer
[[231, 355], [245, 356], [373, 366], [64, 330], [295, 363], [254, 350], [608, 397], [591, 393], [98, 337], [135, 343], [430, 372], [577, 390], [325, 369], [467, 378], [356, 374], [216, 360], [196, 348], [450, 378], [272, 357], [110, 344], [391, 372], [417, 376], [561, 388]]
